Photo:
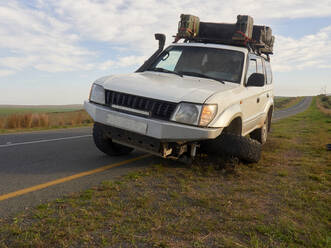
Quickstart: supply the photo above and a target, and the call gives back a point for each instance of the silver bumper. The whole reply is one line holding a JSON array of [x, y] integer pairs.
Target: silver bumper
[[162, 130]]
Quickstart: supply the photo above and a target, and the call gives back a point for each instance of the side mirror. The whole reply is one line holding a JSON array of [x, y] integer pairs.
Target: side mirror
[[256, 80]]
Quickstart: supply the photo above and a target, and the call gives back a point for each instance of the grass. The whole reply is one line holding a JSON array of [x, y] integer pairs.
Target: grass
[[40, 121], [32, 118], [286, 102], [324, 104], [282, 201]]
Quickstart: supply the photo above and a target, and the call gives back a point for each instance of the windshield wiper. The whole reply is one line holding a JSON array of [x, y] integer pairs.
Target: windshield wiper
[[197, 74], [165, 70]]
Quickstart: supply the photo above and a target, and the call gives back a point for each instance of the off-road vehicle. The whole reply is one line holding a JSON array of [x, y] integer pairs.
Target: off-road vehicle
[[213, 92]]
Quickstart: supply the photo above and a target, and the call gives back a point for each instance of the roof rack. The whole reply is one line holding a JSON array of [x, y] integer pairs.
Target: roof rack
[[243, 33]]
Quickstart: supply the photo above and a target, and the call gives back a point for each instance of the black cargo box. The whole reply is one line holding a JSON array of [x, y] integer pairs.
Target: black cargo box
[[216, 31]]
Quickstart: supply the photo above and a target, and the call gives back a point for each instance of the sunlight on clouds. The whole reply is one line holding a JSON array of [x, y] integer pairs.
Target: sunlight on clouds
[[50, 36], [310, 51], [36, 40], [121, 62], [6, 73]]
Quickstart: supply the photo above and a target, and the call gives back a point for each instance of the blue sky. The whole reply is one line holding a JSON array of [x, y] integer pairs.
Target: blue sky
[[51, 51]]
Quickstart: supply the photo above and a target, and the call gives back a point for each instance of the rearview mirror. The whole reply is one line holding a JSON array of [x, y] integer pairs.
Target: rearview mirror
[[255, 80]]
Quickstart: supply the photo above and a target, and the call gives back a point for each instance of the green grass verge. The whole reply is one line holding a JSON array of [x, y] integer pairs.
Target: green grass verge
[[282, 201]]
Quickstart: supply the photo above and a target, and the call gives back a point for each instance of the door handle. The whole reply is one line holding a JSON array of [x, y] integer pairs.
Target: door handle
[[258, 100], [268, 95]]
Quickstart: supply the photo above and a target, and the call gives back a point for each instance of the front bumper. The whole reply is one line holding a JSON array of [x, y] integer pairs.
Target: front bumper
[[158, 129]]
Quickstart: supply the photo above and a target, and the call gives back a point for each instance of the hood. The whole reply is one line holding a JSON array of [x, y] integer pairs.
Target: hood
[[165, 86]]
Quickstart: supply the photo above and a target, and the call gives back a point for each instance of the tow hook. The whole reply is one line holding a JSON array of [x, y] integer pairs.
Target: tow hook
[[194, 149]]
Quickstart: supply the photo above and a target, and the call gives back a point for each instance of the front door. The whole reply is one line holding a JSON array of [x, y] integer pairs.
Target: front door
[[252, 104]]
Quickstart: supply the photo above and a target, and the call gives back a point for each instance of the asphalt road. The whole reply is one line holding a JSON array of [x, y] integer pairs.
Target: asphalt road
[[37, 167], [301, 106]]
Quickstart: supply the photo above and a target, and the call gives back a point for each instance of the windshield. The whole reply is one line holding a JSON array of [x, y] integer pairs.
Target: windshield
[[214, 63]]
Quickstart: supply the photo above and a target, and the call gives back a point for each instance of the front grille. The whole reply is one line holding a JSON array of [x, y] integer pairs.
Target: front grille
[[157, 109]]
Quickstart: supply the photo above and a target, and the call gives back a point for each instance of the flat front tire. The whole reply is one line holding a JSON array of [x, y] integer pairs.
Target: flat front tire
[[229, 144], [105, 144]]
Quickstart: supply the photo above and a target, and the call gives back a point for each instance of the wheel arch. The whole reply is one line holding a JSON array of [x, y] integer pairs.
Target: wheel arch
[[270, 112], [235, 126], [225, 118]]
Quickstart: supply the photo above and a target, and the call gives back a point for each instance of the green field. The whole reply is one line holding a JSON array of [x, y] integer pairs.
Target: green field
[[282, 201], [8, 109]]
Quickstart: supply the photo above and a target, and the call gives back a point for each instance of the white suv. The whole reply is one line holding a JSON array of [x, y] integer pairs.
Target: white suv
[[189, 96]]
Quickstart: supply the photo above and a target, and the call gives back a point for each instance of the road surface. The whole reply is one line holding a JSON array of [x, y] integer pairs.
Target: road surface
[[37, 167], [301, 106]]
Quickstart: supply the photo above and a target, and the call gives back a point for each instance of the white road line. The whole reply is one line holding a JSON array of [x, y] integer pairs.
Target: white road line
[[43, 141], [45, 131]]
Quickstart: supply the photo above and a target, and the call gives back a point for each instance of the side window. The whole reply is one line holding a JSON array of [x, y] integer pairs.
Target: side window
[[269, 72], [259, 65], [251, 68]]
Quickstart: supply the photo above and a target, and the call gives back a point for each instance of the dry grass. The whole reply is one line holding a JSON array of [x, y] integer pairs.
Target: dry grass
[[2, 124], [44, 120], [324, 104]]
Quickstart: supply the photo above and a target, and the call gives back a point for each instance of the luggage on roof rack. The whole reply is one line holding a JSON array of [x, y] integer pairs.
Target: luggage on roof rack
[[263, 39], [227, 33], [188, 27], [242, 33], [244, 27]]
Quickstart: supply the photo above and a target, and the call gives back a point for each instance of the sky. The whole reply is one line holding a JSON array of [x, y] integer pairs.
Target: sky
[[52, 50]]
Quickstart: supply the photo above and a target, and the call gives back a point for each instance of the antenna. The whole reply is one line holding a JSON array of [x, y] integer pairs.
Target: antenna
[[323, 90]]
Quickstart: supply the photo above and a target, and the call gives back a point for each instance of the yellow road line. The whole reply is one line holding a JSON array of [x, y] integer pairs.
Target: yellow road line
[[69, 178]]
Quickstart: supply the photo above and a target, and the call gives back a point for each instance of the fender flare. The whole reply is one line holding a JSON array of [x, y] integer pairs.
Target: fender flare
[[227, 116], [268, 105]]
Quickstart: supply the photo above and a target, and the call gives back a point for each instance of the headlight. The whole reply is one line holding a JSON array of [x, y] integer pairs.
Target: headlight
[[187, 113], [97, 94], [194, 114]]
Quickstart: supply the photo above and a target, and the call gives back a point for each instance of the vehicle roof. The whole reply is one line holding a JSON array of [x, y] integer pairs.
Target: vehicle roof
[[211, 45]]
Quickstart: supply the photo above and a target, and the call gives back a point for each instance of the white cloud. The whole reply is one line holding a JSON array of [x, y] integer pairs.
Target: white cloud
[[131, 60], [17, 63], [130, 21], [106, 65], [309, 51], [126, 61], [34, 39], [50, 36], [4, 73]]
